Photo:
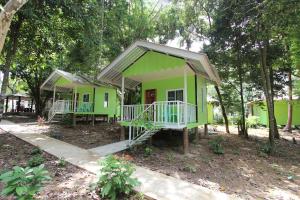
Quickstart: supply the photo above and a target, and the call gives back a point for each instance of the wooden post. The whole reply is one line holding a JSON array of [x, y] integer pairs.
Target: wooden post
[[19, 104], [185, 140], [197, 136], [12, 104], [122, 97], [205, 130], [6, 105], [122, 136], [74, 119], [31, 105], [93, 120], [54, 90], [75, 99]]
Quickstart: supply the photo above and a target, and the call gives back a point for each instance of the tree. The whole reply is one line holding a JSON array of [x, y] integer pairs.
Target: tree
[[6, 15]]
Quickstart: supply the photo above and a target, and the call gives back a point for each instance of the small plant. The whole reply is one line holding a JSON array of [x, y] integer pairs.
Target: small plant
[[115, 177], [36, 151], [190, 168], [216, 145], [24, 183], [67, 120], [266, 148], [147, 151], [35, 161], [40, 121], [252, 121], [170, 156], [61, 162]]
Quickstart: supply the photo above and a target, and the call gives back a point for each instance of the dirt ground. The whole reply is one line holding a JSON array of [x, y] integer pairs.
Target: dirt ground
[[243, 170], [67, 182], [85, 136]]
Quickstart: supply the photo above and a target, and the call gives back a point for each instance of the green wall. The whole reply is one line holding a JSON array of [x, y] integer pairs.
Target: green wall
[[281, 112], [162, 86], [153, 62], [113, 103]]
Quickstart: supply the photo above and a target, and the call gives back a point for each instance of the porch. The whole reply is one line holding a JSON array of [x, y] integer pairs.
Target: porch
[[162, 114]]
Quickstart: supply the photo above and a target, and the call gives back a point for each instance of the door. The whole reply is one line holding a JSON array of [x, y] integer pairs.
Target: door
[[150, 96]]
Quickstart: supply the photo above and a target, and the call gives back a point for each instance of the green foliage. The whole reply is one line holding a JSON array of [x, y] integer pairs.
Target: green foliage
[[67, 119], [36, 151], [216, 145], [24, 183], [190, 168], [61, 162], [252, 121], [35, 161], [234, 119], [266, 148], [115, 178], [148, 151]]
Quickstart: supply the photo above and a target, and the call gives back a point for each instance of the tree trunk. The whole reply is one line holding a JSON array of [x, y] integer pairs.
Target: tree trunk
[[288, 126], [241, 91], [6, 15], [265, 75], [11, 51], [223, 109]]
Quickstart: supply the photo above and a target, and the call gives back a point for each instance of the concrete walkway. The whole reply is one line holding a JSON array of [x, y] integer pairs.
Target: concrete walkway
[[153, 184], [110, 148]]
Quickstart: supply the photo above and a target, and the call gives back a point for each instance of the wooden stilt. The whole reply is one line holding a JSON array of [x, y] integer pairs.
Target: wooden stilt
[[93, 120], [74, 119], [205, 130], [185, 141], [150, 141], [122, 136], [197, 135]]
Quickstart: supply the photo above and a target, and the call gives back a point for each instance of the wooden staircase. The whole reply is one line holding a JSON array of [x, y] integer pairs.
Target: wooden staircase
[[141, 127]]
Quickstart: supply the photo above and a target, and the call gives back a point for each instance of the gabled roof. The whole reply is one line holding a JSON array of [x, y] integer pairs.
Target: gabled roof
[[75, 79], [199, 62]]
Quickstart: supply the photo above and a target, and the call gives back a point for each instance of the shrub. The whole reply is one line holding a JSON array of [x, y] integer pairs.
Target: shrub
[[216, 145], [189, 168], [266, 148], [61, 162], [24, 183], [252, 121], [36, 151], [67, 119], [147, 151], [115, 178], [35, 161]]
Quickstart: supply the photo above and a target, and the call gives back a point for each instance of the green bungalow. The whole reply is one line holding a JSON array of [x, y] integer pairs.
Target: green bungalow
[[77, 95], [259, 109], [173, 84]]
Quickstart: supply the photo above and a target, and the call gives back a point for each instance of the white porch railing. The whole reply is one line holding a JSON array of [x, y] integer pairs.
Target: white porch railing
[[68, 106], [162, 113]]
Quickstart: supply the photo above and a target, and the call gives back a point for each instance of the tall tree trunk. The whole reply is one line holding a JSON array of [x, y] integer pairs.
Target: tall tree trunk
[[276, 133], [6, 15], [265, 74], [11, 51], [223, 109], [288, 126], [241, 91]]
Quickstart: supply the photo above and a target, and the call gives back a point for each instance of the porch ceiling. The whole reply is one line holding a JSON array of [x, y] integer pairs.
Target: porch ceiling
[[113, 72]]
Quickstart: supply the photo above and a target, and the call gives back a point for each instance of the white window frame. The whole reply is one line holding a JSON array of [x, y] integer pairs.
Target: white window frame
[[174, 90], [83, 97], [105, 103]]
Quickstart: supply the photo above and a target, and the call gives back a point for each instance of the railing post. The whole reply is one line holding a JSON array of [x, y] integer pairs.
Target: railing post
[[154, 112], [129, 134], [178, 114]]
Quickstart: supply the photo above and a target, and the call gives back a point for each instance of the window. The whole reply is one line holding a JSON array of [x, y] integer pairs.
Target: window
[[86, 97], [105, 100], [175, 95]]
